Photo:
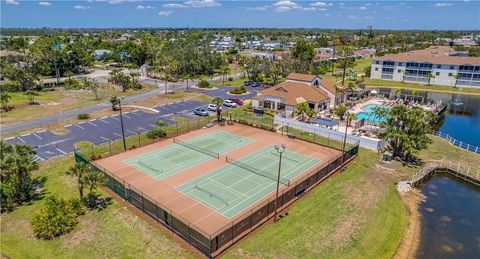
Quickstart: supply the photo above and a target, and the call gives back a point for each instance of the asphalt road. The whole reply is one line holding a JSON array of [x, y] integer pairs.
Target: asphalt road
[[108, 128]]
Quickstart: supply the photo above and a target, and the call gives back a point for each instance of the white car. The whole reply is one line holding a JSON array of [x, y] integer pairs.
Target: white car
[[229, 103], [213, 107]]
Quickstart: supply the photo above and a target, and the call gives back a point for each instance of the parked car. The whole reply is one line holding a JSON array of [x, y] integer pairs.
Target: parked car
[[237, 101], [200, 111], [255, 84], [213, 107], [247, 83], [229, 103]]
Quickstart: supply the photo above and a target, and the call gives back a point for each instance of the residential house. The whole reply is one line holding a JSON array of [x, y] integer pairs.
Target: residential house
[[318, 92]]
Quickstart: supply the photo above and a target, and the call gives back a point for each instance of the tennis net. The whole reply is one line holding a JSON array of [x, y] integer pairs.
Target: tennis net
[[257, 171], [286, 157], [149, 167], [211, 194], [199, 149]]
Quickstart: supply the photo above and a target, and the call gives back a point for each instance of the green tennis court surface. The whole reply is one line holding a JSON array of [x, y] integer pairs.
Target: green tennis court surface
[[231, 189], [175, 158]]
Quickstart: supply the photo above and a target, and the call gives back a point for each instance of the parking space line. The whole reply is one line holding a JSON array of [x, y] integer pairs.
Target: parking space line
[[103, 121], [117, 134], [91, 123], [79, 126], [9, 138], [39, 157], [105, 138], [36, 136], [104, 117], [131, 131], [24, 135], [41, 131], [141, 128], [61, 151], [68, 125], [21, 139], [114, 118], [153, 125], [126, 116]]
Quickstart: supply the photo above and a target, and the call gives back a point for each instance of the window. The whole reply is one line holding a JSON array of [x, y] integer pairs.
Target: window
[[437, 73], [387, 70], [439, 66], [452, 67], [450, 74], [399, 71], [400, 63], [377, 62], [389, 63], [376, 69]]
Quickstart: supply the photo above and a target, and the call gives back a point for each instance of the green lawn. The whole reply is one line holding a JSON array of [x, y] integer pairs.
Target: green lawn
[[115, 232], [361, 64], [58, 101], [235, 83], [375, 83]]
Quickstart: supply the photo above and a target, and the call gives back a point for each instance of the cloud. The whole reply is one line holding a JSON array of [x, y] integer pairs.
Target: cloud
[[115, 1], [12, 2], [81, 7], [321, 4], [193, 4], [144, 7], [352, 17], [443, 4], [363, 8], [165, 13], [44, 3], [287, 5]]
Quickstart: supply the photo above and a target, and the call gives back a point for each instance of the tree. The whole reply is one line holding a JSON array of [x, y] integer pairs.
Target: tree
[[430, 76], [340, 111], [4, 100], [456, 76], [310, 114], [16, 165], [23, 76], [92, 86], [405, 129], [276, 72], [79, 170], [368, 71], [302, 109], [31, 94], [346, 52], [218, 102], [119, 78], [115, 101], [224, 70], [92, 181]]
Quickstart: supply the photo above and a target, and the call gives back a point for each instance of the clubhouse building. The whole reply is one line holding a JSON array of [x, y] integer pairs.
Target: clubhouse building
[[441, 65]]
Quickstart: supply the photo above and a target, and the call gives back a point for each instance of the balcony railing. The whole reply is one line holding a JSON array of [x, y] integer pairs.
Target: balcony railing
[[387, 76], [416, 79]]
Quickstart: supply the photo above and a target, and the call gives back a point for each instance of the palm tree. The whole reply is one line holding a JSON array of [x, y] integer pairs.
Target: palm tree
[[224, 70], [92, 86], [92, 181], [80, 171], [456, 76], [430, 76], [218, 102], [302, 109]]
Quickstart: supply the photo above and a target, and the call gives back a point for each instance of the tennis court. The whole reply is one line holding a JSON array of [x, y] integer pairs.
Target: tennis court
[[172, 159], [239, 184]]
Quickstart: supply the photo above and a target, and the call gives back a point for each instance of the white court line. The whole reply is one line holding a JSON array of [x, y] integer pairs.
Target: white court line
[[21, 139], [118, 135], [61, 151], [79, 126], [131, 131], [91, 123], [36, 136], [105, 138]]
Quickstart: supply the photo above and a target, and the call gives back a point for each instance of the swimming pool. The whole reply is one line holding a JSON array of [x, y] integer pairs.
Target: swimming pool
[[368, 114]]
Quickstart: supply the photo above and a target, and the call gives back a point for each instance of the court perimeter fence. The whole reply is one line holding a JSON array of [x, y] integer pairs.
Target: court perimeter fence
[[213, 244]]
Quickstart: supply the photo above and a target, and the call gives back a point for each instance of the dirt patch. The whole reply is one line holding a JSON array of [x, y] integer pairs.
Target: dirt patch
[[86, 232], [411, 238]]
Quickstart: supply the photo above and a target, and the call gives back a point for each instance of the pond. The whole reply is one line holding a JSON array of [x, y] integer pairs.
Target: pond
[[462, 119], [450, 219]]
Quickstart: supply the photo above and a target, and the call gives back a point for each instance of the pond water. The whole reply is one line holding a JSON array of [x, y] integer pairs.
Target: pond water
[[462, 119], [450, 219]]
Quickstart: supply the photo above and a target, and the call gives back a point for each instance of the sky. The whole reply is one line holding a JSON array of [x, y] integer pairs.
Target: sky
[[340, 14]]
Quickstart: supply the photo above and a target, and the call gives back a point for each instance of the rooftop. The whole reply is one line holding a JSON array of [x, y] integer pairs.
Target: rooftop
[[295, 93], [433, 54]]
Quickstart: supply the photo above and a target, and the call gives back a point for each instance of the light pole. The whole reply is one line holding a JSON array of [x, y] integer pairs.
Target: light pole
[[121, 123], [280, 149]]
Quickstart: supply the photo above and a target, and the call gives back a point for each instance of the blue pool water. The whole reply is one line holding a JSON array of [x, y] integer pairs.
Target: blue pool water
[[368, 114]]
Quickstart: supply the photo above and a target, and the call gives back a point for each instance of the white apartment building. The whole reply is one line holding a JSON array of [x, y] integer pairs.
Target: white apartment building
[[437, 61]]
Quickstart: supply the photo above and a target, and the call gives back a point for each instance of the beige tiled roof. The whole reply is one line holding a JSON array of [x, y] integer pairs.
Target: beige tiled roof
[[292, 92], [301, 77]]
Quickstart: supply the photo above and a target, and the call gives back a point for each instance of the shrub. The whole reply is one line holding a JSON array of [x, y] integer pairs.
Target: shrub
[[230, 79], [58, 217], [156, 133], [238, 90], [161, 123], [203, 84], [83, 116]]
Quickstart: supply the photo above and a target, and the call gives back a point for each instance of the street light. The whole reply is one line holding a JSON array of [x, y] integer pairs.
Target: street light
[[280, 149], [121, 123]]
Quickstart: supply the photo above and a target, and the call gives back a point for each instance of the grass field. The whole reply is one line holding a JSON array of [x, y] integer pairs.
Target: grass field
[[58, 101], [356, 214]]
